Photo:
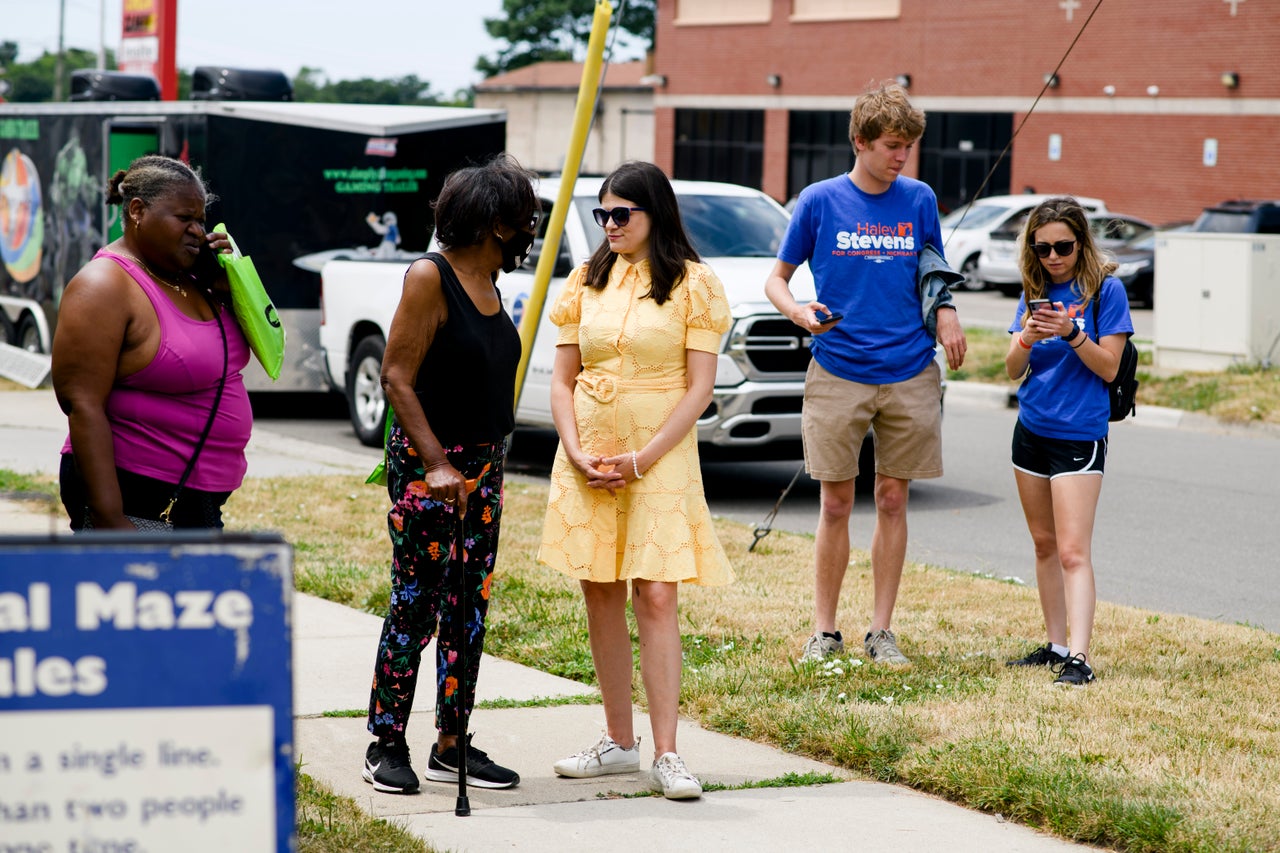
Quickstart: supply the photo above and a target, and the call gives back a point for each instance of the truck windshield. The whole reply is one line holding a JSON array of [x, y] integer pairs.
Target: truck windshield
[[720, 226]]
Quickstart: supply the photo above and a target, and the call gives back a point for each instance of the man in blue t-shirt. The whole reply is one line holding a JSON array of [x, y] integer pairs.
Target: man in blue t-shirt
[[873, 358]]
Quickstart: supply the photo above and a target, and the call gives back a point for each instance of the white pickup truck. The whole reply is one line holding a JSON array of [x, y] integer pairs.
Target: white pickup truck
[[755, 411]]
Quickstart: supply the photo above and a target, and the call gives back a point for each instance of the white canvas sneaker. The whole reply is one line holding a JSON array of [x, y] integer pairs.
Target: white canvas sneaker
[[602, 759], [673, 779]]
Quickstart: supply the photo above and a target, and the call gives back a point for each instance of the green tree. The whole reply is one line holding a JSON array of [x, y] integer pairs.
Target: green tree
[[33, 81], [550, 30]]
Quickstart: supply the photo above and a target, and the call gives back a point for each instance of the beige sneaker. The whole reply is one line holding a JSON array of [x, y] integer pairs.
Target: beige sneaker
[[821, 646], [882, 647], [673, 779]]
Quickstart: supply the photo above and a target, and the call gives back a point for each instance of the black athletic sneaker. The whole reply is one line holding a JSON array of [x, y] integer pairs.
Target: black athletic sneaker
[[481, 771], [1073, 672], [386, 767], [1043, 656]]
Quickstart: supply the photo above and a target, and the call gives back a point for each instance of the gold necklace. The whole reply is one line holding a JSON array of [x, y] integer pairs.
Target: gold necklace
[[182, 291]]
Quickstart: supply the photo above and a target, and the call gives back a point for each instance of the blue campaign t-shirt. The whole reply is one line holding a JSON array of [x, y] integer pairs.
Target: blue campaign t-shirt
[[863, 250], [1061, 397]]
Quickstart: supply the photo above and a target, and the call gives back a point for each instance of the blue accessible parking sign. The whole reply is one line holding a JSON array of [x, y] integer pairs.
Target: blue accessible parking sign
[[146, 693]]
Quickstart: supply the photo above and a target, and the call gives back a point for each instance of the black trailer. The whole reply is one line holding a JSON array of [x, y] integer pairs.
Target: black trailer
[[295, 183]]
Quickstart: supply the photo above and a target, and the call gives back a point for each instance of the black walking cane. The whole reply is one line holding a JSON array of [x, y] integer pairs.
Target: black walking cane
[[463, 807]]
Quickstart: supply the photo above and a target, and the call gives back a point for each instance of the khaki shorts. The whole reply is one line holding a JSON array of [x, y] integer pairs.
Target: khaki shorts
[[906, 417]]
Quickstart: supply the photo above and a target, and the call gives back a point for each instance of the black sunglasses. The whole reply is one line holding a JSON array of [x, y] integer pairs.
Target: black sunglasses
[[620, 215], [1064, 248]]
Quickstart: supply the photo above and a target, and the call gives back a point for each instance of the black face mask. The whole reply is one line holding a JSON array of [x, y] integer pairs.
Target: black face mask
[[515, 250]]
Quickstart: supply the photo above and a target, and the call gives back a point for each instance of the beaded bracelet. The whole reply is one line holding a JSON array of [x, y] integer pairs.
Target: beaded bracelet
[[635, 467]]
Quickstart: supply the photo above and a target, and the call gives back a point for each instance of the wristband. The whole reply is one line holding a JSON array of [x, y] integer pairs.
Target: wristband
[[1077, 346], [1075, 330], [635, 467], [1023, 343]]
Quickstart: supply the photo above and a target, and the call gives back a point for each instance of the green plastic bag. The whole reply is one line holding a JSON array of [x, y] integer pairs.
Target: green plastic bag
[[253, 309], [378, 476]]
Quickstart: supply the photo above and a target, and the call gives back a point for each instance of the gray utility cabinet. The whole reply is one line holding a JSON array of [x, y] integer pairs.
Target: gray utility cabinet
[[1217, 300]]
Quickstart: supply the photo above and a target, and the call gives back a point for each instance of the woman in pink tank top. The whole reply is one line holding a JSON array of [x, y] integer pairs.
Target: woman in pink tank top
[[147, 358]]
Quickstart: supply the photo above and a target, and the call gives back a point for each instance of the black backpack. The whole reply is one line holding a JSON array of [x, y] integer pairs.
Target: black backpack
[[1122, 392]]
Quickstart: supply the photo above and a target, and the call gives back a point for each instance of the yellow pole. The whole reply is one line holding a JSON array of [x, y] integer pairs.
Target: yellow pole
[[572, 163]]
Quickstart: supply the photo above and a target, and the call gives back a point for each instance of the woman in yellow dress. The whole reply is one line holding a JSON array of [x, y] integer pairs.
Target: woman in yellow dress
[[640, 328]]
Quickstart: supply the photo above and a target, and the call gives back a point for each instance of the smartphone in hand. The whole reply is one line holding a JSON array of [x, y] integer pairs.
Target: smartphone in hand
[[828, 319], [1034, 305]]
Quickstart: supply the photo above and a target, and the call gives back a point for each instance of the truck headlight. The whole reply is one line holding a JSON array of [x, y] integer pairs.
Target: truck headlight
[[728, 372]]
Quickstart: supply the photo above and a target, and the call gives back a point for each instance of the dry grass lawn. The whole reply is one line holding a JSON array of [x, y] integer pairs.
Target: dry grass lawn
[[1246, 394], [1175, 747]]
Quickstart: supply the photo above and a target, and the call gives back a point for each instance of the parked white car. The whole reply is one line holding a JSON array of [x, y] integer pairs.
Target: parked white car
[[966, 230], [998, 265]]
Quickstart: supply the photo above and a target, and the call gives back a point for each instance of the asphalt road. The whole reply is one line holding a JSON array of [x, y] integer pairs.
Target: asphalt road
[[1187, 522]]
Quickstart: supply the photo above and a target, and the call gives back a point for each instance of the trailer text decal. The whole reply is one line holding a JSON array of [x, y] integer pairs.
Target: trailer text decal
[[19, 128], [375, 180]]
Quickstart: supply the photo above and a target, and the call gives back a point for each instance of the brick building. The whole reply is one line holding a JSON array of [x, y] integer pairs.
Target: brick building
[[541, 99], [1159, 108]]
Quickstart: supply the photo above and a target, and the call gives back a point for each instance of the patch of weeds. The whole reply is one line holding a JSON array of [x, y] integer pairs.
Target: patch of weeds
[[786, 780], [541, 702]]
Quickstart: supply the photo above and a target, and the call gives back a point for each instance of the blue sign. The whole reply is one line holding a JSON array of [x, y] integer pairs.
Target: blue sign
[[146, 693]]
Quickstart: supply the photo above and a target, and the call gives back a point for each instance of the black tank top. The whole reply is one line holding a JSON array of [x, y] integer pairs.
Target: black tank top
[[466, 382]]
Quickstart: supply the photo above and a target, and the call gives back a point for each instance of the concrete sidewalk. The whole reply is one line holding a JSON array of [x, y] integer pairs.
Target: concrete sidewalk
[[334, 648]]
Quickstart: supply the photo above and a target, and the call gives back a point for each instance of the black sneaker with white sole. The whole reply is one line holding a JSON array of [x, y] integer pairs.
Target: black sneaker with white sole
[[1043, 656], [386, 767], [1073, 672], [481, 771]]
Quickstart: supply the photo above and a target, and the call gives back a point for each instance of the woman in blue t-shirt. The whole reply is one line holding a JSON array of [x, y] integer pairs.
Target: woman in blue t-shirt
[[1060, 441]]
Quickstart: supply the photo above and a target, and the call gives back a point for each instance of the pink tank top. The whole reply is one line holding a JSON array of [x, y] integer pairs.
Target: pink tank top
[[158, 413]]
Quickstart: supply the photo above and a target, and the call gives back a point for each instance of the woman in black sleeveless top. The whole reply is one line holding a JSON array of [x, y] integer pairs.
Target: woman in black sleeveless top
[[449, 373]]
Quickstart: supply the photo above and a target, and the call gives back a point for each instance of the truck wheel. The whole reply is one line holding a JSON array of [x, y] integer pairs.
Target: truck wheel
[[365, 401], [29, 335]]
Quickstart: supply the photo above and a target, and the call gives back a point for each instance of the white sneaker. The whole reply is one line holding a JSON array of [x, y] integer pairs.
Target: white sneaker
[[602, 759], [673, 779]]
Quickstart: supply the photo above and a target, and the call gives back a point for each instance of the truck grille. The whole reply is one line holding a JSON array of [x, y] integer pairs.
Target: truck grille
[[770, 346]]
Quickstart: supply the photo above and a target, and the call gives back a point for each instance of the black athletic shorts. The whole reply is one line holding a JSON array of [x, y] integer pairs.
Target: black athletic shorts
[[1055, 457]]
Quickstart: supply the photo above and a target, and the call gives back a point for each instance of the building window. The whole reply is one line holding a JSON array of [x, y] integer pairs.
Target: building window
[[723, 11], [844, 10], [720, 145], [959, 150], [818, 148]]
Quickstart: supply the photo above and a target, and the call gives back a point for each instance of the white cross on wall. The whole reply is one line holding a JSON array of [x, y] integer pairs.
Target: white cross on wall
[[1234, 4], [1071, 5]]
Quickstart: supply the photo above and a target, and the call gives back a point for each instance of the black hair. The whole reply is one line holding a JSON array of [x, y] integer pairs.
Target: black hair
[[151, 177], [669, 247], [476, 198]]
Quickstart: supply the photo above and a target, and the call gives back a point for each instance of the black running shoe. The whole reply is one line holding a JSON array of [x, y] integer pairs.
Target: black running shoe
[[386, 767], [481, 771], [1073, 672], [1043, 656]]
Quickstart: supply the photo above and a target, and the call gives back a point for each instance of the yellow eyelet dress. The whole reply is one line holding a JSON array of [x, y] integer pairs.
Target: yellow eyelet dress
[[633, 354]]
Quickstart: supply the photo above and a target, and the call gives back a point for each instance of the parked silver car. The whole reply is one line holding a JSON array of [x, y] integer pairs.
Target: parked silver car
[[965, 231], [998, 265]]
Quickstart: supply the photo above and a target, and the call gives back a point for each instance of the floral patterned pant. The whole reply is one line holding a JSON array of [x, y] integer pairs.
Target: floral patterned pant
[[427, 556]]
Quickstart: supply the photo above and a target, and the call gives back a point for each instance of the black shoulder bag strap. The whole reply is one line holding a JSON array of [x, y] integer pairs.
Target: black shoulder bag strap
[[213, 414]]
